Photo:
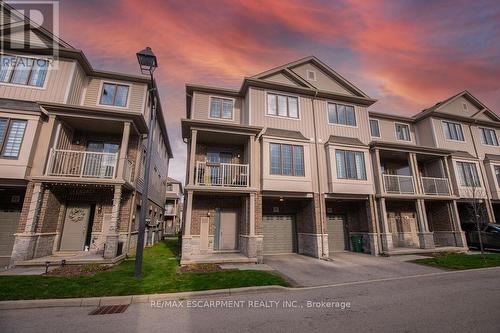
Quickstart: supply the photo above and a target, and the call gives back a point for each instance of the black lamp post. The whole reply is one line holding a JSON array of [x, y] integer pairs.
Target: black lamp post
[[148, 63]]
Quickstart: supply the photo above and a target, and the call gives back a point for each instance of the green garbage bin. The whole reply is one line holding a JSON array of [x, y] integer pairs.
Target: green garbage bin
[[357, 243]]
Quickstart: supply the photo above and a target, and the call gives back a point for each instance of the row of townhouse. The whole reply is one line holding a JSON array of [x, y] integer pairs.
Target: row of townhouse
[[173, 207], [294, 162], [72, 144]]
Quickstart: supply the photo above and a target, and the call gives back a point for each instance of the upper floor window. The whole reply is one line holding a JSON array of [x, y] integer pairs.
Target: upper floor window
[[402, 132], [287, 160], [488, 136], [468, 175], [283, 106], [11, 136], [114, 94], [350, 164], [341, 114], [453, 131], [23, 70], [221, 108], [374, 128], [497, 174]]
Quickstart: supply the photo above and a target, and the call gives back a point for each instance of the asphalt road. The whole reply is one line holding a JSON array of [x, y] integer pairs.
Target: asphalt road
[[465, 301]]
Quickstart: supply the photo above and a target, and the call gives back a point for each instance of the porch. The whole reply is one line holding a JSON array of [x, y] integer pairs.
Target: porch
[[412, 173], [91, 149]]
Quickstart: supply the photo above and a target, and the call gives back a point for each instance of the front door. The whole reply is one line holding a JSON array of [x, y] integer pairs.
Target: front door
[[228, 230], [336, 233], [75, 227]]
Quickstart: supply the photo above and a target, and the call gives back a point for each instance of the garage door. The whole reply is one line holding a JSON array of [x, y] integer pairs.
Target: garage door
[[8, 226], [336, 236], [278, 234]]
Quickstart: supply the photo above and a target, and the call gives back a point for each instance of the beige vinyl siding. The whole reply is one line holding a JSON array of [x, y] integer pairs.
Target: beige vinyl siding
[[425, 133], [325, 129], [136, 93], [259, 118], [442, 142], [388, 131], [280, 78], [323, 81], [456, 108], [483, 149], [54, 89], [245, 111], [77, 86], [20, 167], [201, 108]]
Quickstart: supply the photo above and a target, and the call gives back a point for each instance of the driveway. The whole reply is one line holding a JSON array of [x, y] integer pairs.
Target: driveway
[[345, 267]]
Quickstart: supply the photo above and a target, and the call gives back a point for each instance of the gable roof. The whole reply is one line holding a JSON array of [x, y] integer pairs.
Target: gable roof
[[465, 94], [288, 68]]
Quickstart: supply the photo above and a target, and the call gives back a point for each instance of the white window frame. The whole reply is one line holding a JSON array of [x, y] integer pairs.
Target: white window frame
[[443, 124], [281, 144], [481, 128], [370, 128], [220, 97], [308, 71], [348, 150], [478, 173], [496, 179], [101, 85], [45, 83], [287, 95], [6, 136], [337, 124], [396, 132]]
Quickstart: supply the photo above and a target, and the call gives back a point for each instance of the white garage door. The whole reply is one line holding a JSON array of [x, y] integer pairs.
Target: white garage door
[[8, 226], [336, 236], [278, 234]]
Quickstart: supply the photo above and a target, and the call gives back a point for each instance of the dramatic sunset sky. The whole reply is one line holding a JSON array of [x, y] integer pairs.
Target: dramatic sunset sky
[[406, 54]]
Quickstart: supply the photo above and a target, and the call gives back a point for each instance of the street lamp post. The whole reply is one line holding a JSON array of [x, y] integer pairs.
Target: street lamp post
[[148, 63]]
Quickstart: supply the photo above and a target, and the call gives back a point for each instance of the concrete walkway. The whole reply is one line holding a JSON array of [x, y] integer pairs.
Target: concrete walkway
[[345, 267]]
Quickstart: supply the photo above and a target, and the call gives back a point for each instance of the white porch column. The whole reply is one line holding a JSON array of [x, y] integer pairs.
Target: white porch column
[[192, 157], [412, 158], [378, 171], [123, 150]]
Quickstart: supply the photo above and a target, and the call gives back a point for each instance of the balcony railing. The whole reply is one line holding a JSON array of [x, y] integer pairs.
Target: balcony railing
[[436, 186], [83, 164], [399, 184], [221, 174]]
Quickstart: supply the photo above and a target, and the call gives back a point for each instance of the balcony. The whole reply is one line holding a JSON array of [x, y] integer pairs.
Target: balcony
[[86, 164], [221, 174], [436, 186], [397, 184]]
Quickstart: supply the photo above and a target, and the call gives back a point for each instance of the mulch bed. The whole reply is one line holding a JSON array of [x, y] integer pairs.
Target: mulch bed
[[78, 270], [199, 268]]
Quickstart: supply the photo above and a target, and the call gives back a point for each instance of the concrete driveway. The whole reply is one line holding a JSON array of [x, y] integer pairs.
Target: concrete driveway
[[345, 267]]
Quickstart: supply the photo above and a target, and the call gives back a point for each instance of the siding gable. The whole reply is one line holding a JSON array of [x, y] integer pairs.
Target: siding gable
[[459, 107], [280, 78], [322, 81]]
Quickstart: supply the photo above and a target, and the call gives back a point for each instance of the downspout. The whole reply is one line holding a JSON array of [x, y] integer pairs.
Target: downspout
[[318, 177]]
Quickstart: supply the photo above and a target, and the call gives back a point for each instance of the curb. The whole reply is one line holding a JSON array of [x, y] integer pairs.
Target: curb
[[132, 299]]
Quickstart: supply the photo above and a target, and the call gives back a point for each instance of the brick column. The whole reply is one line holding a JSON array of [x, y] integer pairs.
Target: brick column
[[460, 239], [111, 248], [25, 241], [373, 233]]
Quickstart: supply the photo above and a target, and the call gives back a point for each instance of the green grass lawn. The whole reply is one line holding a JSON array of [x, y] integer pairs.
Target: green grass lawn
[[159, 276], [462, 260]]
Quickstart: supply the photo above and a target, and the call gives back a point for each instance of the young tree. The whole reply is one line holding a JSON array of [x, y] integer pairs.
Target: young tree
[[477, 210]]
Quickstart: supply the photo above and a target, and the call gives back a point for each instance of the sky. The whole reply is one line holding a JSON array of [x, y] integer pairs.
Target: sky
[[406, 54]]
